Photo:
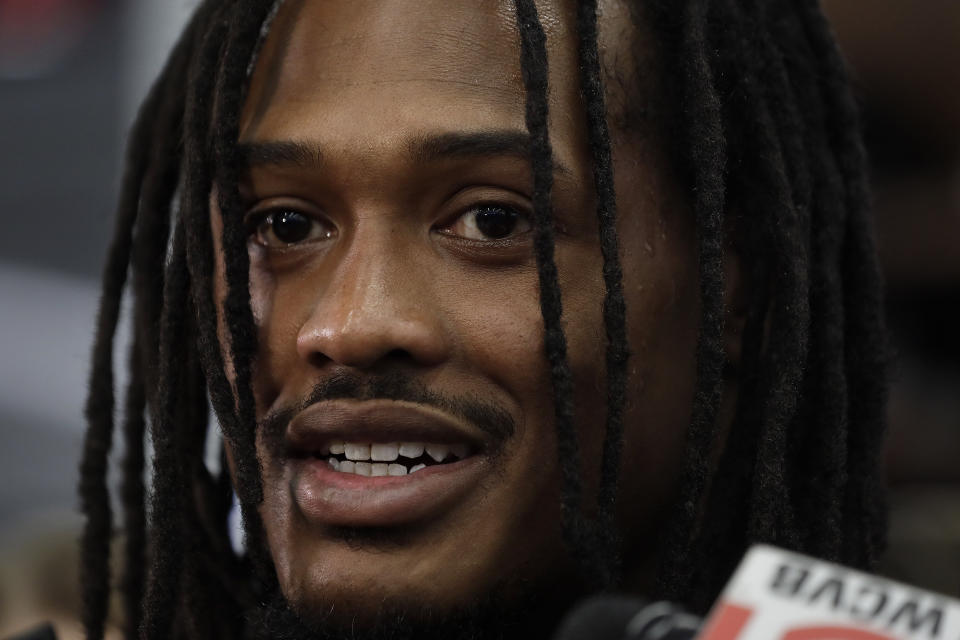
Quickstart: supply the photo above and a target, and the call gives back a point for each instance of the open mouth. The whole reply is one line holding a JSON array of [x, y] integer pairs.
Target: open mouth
[[380, 463], [390, 459]]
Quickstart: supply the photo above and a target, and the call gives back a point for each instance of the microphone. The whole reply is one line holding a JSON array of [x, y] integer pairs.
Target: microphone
[[625, 618], [779, 595]]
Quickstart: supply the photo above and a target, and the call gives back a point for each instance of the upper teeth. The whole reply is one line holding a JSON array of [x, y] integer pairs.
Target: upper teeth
[[388, 452], [356, 451], [410, 449], [384, 452]]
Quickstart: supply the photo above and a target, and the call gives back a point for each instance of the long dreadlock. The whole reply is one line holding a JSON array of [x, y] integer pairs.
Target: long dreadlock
[[799, 462]]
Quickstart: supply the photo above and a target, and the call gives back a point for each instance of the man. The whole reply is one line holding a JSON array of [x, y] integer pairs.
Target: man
[[445, 269]]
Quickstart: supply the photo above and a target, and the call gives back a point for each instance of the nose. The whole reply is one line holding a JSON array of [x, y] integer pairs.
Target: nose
[[378, 306]]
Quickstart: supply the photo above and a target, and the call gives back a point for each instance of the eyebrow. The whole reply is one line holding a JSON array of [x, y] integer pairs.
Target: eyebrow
[[430, 148], [479, 144], [282, 153]]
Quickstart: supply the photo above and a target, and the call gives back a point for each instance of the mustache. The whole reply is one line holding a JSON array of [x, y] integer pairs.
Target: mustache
[[490, 418]]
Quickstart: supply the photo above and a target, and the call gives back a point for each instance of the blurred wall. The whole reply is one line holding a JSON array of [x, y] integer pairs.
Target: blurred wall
[[63, 128], [71, 79]]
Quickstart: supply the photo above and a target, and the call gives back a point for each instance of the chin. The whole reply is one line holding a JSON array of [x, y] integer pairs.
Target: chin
[[361, 572], [365, 582], [368, 608]]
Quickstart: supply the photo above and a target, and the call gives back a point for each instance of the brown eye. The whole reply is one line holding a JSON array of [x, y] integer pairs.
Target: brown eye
[[283, 228], [490, 222]]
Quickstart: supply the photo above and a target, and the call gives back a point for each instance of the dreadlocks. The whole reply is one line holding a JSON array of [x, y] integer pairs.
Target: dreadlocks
[[770, 149]]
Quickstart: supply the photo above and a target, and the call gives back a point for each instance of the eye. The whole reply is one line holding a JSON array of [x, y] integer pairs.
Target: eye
[[281, 228], [489, 222]]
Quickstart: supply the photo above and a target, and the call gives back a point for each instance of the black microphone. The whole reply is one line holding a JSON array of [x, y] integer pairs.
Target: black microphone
[[625, 618], [43, 632]]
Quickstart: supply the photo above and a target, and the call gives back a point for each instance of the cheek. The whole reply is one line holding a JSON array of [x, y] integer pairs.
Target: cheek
[[662, 371], [262, 285], [270, 309], [662, 297], [498, 333], [220, 285], [583, 298]]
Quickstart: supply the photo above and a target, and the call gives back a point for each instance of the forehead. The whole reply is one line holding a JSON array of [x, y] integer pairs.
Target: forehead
[[457, 60]]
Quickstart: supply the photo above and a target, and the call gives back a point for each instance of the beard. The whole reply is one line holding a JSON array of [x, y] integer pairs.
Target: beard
[[515, 607], [529, 614]]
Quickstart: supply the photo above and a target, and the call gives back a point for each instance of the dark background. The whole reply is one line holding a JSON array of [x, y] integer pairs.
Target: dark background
[[71, 75]]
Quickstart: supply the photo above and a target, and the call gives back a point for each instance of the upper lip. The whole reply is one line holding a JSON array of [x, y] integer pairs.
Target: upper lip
[[314, 428]]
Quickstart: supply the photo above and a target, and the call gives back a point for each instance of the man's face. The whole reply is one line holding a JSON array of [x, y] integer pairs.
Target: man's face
[[396, 292]]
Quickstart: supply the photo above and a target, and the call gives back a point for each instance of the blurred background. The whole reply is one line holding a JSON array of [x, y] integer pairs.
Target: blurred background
[[72, 73]]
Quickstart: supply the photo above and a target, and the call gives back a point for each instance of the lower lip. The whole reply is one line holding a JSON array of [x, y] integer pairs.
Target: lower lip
[[327, 496]]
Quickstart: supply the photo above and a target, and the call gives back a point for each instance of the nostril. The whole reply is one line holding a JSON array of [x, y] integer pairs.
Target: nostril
[[362, 336], [317, 359], [320, 360], [399, 354]]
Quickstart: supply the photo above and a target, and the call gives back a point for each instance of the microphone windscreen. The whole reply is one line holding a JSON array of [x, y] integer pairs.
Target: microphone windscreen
[[600, 618], [625, 618]]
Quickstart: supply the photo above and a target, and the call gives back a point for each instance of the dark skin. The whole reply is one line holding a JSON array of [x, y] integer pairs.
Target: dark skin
[[412, 256]]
